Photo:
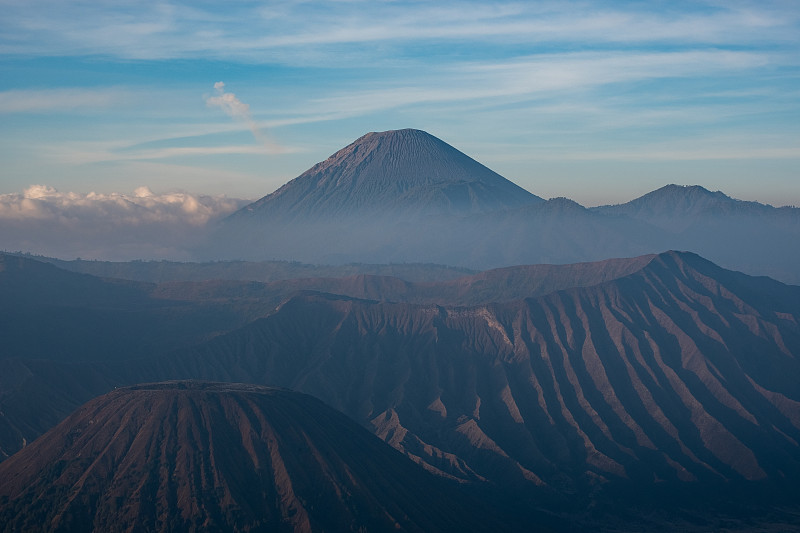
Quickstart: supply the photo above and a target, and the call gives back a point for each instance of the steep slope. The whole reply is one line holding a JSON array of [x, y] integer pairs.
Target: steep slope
[[28, 282], [407, 172], [661, 377], [678, 372], [188, 456]]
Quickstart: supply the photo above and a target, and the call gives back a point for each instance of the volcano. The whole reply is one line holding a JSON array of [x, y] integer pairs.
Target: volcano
[[194, 456], [404, 196], [663, 377], [407, 172]]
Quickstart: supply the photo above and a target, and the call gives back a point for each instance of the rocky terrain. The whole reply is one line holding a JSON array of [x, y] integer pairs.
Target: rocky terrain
[[190, 456], [658, 373]]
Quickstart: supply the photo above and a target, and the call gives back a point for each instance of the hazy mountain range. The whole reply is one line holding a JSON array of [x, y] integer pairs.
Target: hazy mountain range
[[403, 197], [640, 374], [406, 196], [569, 373]]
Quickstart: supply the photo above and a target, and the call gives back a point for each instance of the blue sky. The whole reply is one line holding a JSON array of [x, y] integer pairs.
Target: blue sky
[[597, 101]]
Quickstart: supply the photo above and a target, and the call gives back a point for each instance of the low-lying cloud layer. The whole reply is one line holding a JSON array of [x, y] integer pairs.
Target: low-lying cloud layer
[[115, 226]]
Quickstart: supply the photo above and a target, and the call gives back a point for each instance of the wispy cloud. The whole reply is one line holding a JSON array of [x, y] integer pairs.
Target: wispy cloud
[[66, 99], [700, 151], [537, 76], [178, 30]]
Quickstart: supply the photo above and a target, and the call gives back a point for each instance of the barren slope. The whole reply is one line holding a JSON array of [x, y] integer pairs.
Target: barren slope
[[681, 371], [188, 456], [672, 372]]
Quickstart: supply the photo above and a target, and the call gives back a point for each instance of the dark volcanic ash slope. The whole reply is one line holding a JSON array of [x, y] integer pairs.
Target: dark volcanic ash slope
[[188, 456], [678, 372]]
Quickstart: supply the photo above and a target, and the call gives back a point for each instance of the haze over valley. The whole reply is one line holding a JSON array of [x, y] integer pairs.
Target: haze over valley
[[405, 196]]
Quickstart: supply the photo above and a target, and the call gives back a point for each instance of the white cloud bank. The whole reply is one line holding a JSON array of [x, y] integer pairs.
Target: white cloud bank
[[114, 226]]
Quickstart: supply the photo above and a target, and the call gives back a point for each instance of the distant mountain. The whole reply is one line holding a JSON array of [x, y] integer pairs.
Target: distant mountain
[[189, 456], [557, 231], [677, 207], [263, 271], [406, 196], [749, 236], [389, 197], [404, 172]]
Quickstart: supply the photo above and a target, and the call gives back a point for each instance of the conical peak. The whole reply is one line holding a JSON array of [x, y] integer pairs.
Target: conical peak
[[385, 152], [406, 171]]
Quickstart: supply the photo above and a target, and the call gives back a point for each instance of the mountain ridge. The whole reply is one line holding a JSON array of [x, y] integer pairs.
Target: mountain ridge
[[688, 204], [667, 371]]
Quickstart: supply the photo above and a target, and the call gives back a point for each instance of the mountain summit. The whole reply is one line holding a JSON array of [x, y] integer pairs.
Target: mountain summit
[[677, 207], [400, 171]]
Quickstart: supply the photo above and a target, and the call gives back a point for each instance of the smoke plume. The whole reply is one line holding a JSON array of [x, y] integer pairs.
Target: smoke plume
[[240, 111]]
